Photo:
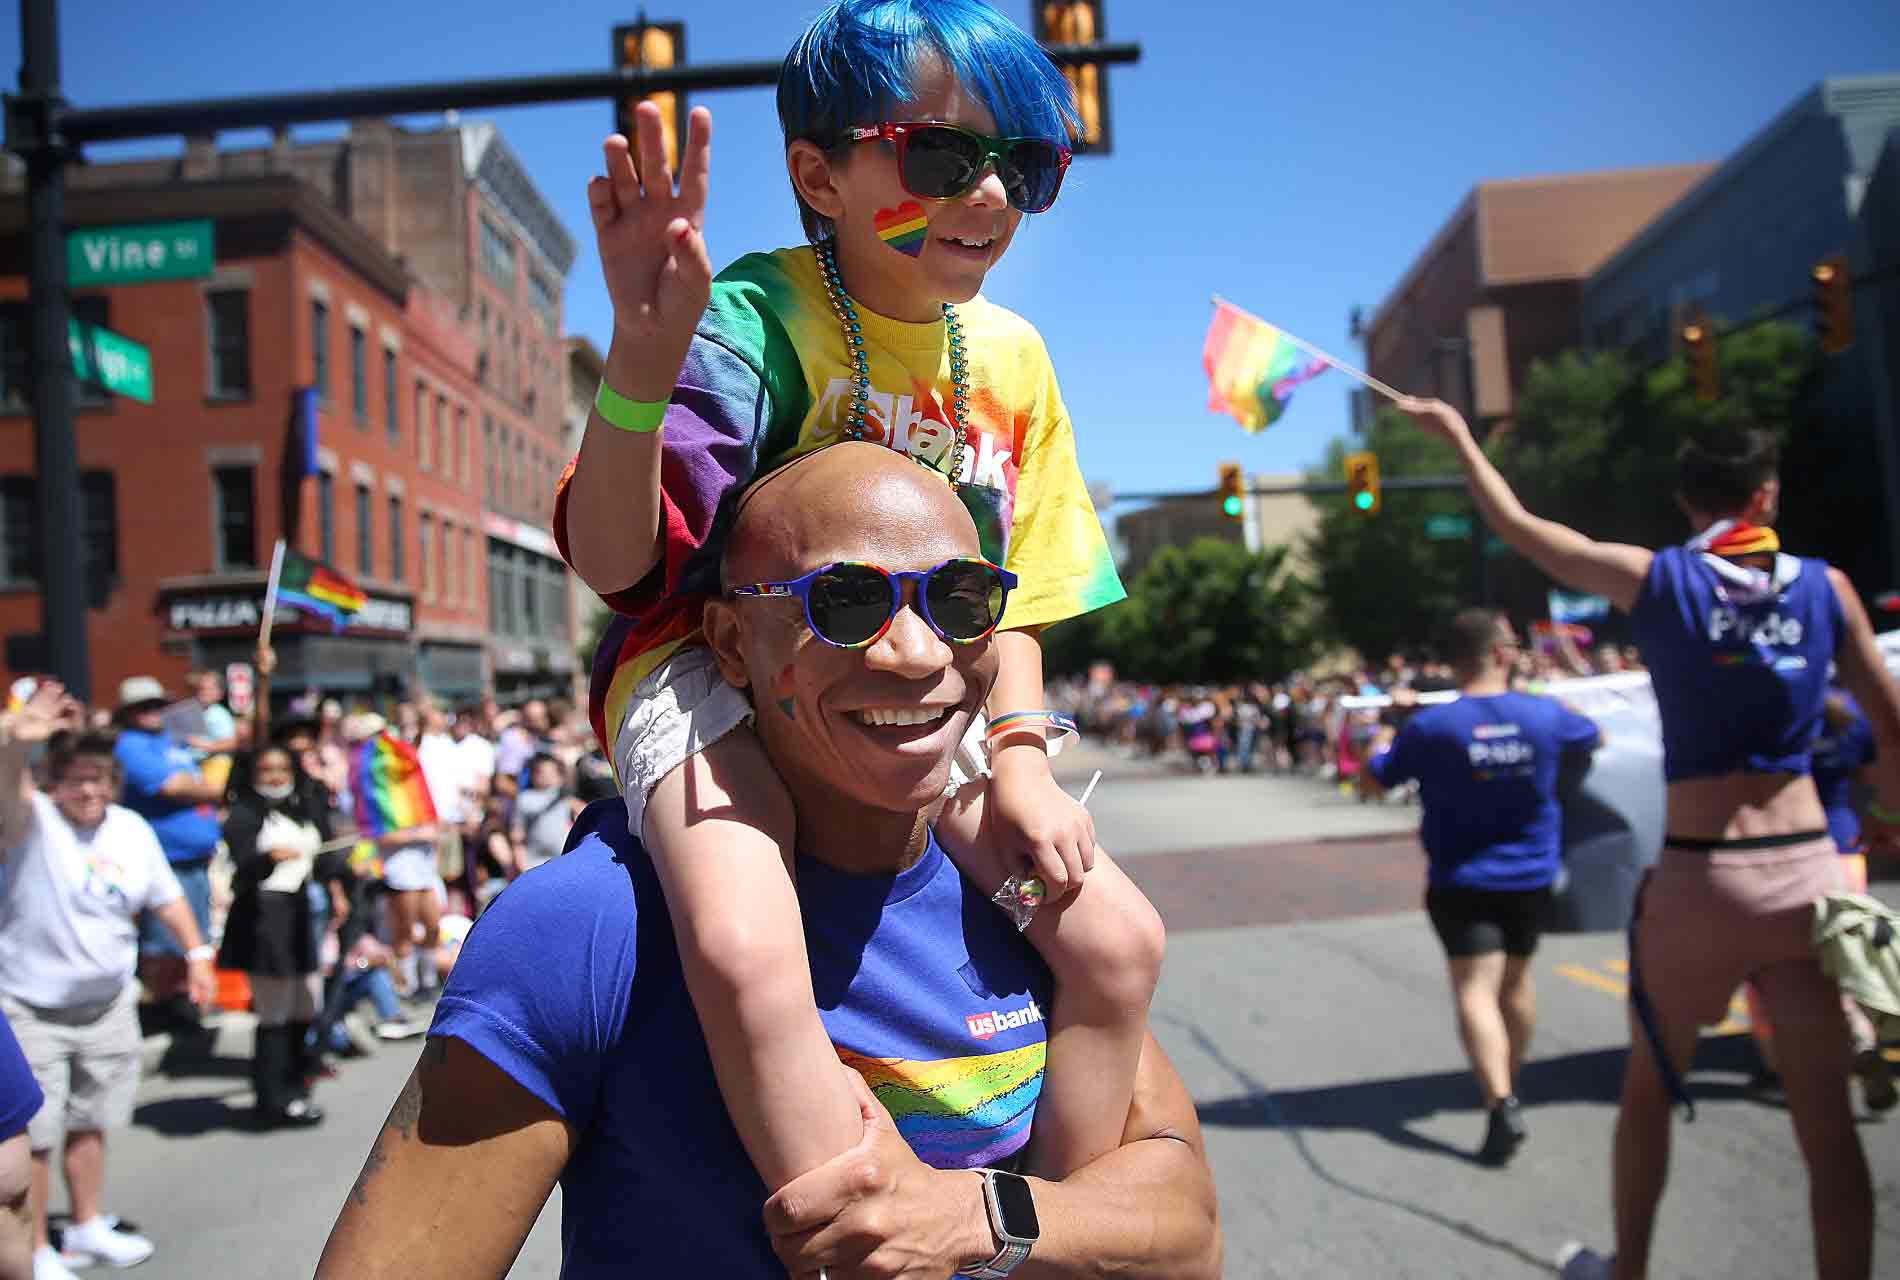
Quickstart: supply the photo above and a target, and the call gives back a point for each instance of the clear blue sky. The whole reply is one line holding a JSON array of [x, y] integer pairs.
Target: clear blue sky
[[1294, 158]]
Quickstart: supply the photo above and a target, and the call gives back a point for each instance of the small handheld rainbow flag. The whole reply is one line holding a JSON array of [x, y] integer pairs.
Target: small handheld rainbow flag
[[316, 588], [391, 793], [1252, 368]]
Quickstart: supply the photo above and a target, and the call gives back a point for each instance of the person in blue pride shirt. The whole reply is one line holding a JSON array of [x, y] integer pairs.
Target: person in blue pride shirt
[[566, 1048], [163, 784], [1487, 767], [1738, 638], [20, 1099]]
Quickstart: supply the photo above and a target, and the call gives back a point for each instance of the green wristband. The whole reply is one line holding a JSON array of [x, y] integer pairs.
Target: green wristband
[[1882, 814], [622, 414]]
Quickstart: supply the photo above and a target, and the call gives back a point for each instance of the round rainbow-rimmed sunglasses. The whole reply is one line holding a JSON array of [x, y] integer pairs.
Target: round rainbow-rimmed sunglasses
[[851, 604], [938, 161]]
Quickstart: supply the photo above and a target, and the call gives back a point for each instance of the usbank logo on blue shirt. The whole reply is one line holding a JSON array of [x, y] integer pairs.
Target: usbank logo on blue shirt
[[984, 1025]]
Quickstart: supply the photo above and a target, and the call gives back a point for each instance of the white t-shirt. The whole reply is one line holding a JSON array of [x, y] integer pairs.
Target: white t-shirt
[[478, 760], [445, 769], [70, 904]]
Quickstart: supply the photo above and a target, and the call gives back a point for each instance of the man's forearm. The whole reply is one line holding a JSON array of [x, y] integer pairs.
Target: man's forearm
[[1145, 1209], [176, 916]]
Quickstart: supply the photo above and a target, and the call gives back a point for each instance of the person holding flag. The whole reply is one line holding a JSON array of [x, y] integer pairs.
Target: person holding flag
[[396, 812]]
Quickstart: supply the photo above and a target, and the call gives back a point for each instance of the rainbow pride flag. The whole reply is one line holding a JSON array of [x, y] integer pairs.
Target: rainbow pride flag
[[316, 588], [1252, 368], [391, 793]]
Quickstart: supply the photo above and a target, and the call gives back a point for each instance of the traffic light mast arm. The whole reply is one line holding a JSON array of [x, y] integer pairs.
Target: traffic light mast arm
[[211, 115], [1614, 570]]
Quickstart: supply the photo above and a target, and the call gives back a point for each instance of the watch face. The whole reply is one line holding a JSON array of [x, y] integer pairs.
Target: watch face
[[1018, 1207]]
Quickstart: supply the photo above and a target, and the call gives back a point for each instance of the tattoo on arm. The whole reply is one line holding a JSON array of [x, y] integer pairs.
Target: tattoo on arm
[[403, 1117]]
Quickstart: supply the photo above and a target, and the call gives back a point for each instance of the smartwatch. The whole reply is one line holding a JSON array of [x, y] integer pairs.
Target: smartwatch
[[1012, 1210]]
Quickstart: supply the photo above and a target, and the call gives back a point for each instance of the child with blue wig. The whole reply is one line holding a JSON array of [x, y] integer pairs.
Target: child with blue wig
[[918, 133]]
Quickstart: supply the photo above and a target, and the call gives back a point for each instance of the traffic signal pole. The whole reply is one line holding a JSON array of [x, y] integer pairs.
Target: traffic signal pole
[[36, 115], [46, 133]]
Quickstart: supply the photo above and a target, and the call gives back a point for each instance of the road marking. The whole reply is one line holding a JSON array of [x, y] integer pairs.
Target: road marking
[[1735, 1023]]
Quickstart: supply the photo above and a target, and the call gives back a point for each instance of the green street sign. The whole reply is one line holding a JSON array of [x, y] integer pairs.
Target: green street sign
[[1447, 528], [116, 363], [139, 254]]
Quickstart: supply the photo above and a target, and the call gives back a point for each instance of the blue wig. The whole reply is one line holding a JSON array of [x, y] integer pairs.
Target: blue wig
[[859, 59]]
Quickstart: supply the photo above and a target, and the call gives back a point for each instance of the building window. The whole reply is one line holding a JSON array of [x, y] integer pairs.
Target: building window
[[498, 256], [522, 479], [468, 565], [15, 362], [488, 456], [461, 446], [19, 524], [422, 426], [444, 461], [365, 541], [501, 589], [505, 499], [320, 347], [391, 428], [228, 323], [359, 375], [236, 497], [425, 565], [326, 516], [530, 578], [395, 537], [445, 563], [541, 298]]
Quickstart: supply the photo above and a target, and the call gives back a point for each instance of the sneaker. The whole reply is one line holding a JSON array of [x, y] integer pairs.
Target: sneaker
[[359, 1036], [1876, 1080], [48, 1265], [1504, 1133], [102, 1242], [1575, 1262], [398, 1029], [298, 1113]]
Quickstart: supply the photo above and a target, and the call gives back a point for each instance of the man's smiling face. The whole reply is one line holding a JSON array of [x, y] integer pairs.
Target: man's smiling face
[[875, 726]]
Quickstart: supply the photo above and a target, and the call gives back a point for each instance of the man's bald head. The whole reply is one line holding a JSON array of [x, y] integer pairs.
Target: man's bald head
[[825, 506]]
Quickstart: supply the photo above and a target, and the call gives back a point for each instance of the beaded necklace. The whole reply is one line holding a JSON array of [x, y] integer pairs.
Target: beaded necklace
[[847, 313]]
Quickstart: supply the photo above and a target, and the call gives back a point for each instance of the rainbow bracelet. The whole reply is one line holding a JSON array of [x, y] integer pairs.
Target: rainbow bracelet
[[1056, 727], [639, 416]]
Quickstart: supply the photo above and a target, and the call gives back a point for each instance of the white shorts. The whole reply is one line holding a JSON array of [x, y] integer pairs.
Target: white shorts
[[685, 705], [410, 868], [86, 1060]]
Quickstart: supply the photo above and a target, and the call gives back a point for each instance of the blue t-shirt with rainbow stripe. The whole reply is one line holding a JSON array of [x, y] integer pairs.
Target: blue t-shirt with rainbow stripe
[[571, 984]]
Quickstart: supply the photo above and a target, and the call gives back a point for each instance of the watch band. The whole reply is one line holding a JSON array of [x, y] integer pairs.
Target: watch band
[[1007, 1259]]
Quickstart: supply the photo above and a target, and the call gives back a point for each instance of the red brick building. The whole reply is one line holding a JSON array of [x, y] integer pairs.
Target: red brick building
[[1501, 284], [413, 279]]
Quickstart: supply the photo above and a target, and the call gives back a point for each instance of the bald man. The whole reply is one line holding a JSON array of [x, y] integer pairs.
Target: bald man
[[565, 1047]]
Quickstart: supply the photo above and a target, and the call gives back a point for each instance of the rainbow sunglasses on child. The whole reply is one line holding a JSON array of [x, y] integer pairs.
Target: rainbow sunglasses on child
[[943, 161], [850, 604]]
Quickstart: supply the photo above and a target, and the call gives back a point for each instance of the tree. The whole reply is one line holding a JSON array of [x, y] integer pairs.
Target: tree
[[1384, 586], [1212, 612]]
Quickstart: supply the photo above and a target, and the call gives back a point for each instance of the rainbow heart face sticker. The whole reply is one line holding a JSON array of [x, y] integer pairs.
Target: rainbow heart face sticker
[[904, 228], [784, 693]]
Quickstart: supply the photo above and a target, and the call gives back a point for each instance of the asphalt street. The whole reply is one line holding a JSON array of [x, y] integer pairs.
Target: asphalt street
[[1304, 1002]]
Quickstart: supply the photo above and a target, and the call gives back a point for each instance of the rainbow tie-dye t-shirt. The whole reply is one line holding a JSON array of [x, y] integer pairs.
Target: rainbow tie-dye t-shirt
[[769, 377]]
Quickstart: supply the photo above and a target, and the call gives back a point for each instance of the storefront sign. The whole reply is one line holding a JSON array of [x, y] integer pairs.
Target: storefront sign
[[526, 536], [208, 612]]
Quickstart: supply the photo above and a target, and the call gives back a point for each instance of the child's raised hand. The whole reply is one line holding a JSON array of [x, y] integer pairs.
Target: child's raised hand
[[652, 243], [1035, 822]]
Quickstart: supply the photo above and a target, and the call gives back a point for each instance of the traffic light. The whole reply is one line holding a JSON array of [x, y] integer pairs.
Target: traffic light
[[1079, 22], [1833, 305], [1233, 490], [1362, 482], [652, 45], [1698, 345]]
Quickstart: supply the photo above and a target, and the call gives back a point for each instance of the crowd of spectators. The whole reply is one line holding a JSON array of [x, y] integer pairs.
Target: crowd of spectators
[[1311, 722], [250, 822]]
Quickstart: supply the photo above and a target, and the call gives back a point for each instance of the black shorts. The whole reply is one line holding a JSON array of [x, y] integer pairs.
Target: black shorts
[[1475, 922]]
